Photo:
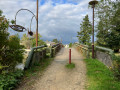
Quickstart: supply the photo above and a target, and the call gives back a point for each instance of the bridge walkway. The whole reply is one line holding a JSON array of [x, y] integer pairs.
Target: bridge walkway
[[58, 77]]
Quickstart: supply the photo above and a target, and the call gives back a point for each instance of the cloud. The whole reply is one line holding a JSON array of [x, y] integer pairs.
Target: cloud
[[56, 19]]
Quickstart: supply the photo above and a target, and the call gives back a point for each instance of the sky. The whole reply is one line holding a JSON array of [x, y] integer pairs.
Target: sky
[[57, 18]]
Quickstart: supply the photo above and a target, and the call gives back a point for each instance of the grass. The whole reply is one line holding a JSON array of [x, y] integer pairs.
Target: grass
[[70, 66], [38, 67], [100, 77], [117, 54]]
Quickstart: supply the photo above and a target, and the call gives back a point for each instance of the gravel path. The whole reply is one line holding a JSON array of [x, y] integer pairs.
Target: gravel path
[[58, 77]]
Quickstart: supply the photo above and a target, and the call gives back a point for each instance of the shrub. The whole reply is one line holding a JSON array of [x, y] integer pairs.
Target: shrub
[[13, 54], [116, 63], [10, 48], [9, 81], [70, 45]]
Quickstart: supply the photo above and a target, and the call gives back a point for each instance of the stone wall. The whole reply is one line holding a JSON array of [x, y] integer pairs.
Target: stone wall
[[101, 53], [37, 57], [105, 58], [55, 49]]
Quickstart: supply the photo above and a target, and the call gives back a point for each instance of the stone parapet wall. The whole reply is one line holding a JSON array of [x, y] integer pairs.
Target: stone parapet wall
[[35, 55], [38, 54], [101, 53], [105, 58], [55, 49]]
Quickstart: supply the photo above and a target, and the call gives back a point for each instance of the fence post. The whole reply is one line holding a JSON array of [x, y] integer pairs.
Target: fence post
[[69, 56]]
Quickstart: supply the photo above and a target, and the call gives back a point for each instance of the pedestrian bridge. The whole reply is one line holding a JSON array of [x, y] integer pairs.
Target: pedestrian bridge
[[36, 54]]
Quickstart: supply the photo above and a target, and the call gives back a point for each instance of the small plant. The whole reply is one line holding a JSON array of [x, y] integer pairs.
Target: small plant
[[70, 66], [116, 69], [38, 67], [70, 45], [10, 80]]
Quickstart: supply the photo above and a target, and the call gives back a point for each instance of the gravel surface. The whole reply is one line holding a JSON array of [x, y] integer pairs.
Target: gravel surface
[[58, 77]]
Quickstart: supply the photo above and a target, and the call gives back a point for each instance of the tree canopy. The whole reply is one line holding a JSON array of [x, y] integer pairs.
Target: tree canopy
[[55, 40], [108, 26], [84, 35], [10, 48], [29, 42]]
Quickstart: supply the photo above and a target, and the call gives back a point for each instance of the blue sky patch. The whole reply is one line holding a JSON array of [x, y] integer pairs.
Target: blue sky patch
[[42, 2]]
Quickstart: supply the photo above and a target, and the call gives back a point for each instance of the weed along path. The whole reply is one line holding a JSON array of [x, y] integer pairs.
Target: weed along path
[[58, 77]]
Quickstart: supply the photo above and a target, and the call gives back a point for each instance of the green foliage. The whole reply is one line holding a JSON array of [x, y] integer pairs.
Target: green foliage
[[14, 42], [9, 81], [26, 41], [3, 39], [85, 31], [38, 68], [13, 21], [116, 63], [3, 33], [14, 45], [10, 48], [70, 45], [40, 42], [55, 40], [100, 77], [29, 42], [1, 12], [13, 52], [70, 66], [108, 27]]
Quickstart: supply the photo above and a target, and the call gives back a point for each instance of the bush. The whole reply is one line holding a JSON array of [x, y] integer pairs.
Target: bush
[[13, 54], [116, 63], [9, 81], [10, 48], [70, 45]]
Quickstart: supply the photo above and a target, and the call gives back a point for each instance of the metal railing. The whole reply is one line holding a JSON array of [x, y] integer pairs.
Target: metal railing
[[30, 56]]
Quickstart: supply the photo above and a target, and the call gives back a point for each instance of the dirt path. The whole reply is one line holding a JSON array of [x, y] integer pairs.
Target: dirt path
[[58, 77]]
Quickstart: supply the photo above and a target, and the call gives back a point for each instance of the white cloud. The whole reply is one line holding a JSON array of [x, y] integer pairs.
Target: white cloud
[[55, 21]]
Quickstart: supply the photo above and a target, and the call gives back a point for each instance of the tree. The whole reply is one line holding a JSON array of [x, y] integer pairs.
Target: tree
[[114, 32], [55, 40], [3, 31], [108, 27], [85, 31], [26, 41], [10, 48], [103, 14], [29, 42], [1, 12], [40, 42], [15, 52], [3, 38]]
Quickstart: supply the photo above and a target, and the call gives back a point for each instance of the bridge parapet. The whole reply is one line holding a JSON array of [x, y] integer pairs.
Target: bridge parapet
[[103, 54], [35, 55], [84, 49], [39, 53], [55, 48]]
